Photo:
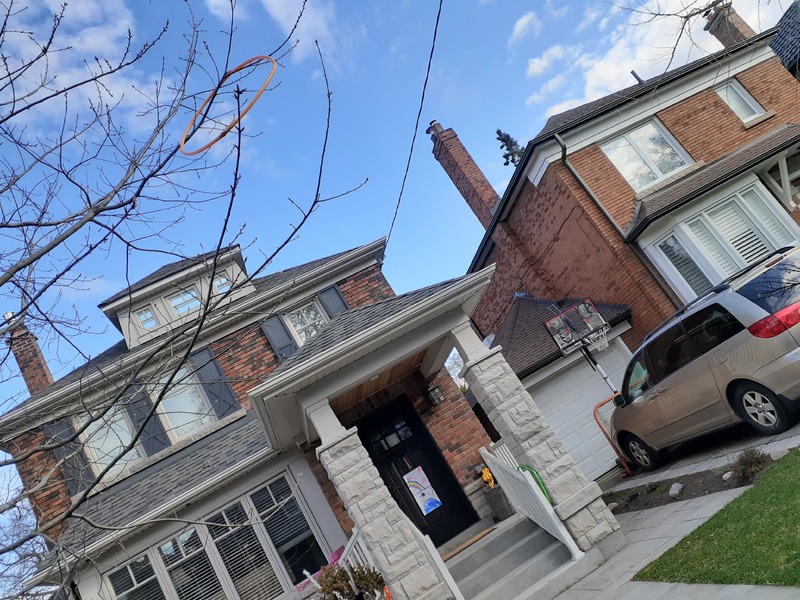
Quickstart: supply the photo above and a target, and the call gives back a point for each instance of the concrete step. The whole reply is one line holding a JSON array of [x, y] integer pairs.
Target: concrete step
[[516, 583], [507, 534], [499, 567]]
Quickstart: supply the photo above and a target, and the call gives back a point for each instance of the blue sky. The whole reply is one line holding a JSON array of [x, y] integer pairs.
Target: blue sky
[[497, 64]]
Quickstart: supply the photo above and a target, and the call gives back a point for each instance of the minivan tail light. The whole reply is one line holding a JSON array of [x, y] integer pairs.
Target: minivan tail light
[[776, 324]]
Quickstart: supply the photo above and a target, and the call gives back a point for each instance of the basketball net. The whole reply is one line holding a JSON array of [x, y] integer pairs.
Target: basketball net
[[600, 339]]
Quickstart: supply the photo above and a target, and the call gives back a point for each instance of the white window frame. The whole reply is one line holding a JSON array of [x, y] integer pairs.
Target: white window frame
[[163, 413], [215, 559], [218, 276], [182, 313], [677, 224], [737, 88], [149, 309], [91, 452], [670, 139], [290, 327]]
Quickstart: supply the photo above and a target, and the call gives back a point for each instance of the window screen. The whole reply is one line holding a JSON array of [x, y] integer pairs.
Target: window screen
[[709, 327], [670, 351]]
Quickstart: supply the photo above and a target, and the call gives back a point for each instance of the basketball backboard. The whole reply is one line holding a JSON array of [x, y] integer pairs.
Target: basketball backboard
[[577, 326]]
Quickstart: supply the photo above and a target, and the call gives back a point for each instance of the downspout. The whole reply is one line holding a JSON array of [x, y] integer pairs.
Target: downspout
[[636, 250]]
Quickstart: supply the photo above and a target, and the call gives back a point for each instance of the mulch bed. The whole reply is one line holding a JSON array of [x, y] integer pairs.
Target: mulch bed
[[656, 493]]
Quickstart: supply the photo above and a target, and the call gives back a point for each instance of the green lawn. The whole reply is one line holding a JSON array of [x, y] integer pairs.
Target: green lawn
[[753, 540]]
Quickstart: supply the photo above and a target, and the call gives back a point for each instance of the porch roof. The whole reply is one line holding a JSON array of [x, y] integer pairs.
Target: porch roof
[[705, 179], [358, 336]]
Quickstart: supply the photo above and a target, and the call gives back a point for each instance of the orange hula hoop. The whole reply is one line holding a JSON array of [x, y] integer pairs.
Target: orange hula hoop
[[213, 95]]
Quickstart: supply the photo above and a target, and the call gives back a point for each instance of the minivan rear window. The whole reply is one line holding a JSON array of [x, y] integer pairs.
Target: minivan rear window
[[775, 288]]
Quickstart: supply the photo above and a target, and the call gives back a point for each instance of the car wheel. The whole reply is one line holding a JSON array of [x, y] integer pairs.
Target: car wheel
[[640, 453], [761, 409]]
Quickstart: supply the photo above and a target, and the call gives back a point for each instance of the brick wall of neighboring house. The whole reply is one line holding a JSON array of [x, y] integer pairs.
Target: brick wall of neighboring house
[[556, 245], [453, 426], [704, 126], [51, 497]]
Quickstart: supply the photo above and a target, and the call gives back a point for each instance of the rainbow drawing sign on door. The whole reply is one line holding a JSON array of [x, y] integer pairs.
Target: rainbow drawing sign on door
[[422, 490]]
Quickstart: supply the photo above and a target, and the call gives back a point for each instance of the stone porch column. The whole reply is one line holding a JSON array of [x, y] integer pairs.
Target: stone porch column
[[396, 551], [531, 440]]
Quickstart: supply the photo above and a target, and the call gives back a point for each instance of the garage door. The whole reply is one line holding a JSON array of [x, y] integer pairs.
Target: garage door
[[567, 400]]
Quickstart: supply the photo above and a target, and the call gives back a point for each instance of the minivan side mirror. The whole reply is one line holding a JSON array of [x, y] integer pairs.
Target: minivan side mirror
[[619, 400]]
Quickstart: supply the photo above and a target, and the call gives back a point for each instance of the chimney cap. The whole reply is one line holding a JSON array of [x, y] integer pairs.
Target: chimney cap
[[434, 129]]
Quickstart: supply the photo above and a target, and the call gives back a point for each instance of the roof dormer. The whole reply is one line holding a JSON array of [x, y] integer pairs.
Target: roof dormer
[[174, 294]]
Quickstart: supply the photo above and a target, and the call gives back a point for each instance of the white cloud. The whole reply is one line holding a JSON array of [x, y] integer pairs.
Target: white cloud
[[557, 13], [222, 9], [528, 23], [590, 15], [538, 65], [315, 25], [550, 86]]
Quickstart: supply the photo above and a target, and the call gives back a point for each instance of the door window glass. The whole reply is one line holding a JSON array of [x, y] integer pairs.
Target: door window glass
[[670, 351], [709, 327], [637, 380]]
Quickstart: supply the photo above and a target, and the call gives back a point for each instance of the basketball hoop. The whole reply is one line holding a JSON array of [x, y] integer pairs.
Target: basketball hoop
[[599, 339], [577, 327]]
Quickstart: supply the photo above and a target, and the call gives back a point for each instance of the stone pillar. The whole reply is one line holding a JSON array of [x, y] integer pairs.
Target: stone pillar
[[396, 551], [532, 441]]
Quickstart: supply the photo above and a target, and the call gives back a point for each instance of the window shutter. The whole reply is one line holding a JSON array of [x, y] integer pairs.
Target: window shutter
[[215, 384], [713, 247], [153, 438], [684, 264], [75, 468], [279, 337], [739, 232], [333, 301]]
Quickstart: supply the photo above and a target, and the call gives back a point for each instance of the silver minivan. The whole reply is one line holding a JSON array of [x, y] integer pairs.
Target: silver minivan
[[732, 355]]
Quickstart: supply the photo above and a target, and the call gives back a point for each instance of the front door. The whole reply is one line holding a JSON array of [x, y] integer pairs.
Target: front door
[[415, 472]]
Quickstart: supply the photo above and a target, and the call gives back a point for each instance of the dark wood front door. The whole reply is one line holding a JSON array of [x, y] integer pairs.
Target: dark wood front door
[[406, 455]]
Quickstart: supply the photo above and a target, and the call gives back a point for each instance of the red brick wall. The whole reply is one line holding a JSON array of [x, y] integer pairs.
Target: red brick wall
[[30, 360], [366, 287], [328, 489]]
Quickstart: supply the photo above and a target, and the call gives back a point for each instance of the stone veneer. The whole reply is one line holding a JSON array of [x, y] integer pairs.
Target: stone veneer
[[530, 438], [397, 553]]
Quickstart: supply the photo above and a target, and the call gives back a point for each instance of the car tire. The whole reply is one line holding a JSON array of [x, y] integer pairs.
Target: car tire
[[760, 408], [642, 455]]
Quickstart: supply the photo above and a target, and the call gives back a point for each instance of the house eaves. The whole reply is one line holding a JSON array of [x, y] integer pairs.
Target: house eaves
[[465, 292], [584, 114], [46, 405], [658, 204]]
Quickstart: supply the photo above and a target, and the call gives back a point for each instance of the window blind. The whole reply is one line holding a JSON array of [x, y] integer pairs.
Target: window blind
[[684, 264], [734, 226]]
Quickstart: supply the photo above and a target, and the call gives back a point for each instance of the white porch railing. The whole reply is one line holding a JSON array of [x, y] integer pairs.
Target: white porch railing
[[355, 552], [523, 492], [435, 560]]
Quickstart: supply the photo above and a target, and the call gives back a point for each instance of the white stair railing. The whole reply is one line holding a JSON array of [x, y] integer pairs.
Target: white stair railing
[[355, 552], [524, 494]]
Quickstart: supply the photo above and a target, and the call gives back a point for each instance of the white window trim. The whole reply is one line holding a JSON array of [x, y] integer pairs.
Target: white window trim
[[214, 282], [674, 144], [91, 453], [290, 328], [153, 312], [748, 99], [191, 290], [677, 224], [162, 573]]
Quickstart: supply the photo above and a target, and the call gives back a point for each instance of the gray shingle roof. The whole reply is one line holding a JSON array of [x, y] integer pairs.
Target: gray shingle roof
[[706, 178], [162, 482], [581, 114], [357, 320], [786, 43], [526, 344]]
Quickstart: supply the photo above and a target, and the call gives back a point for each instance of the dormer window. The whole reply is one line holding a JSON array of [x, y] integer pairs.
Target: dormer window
[[221, 283], [646, 154], [147, 318], [739, 100], [306, 321], [185, 302]]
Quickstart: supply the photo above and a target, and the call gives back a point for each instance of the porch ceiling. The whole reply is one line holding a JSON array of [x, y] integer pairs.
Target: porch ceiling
[[352, 397]]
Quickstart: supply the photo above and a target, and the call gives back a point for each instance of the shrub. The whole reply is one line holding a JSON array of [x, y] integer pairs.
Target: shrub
[[750, 463]]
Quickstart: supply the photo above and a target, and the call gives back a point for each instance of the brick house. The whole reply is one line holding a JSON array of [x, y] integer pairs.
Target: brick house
[[227, 467], [643, 199]]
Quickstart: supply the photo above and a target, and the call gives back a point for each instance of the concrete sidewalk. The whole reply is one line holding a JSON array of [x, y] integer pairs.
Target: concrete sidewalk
[[652, 532]]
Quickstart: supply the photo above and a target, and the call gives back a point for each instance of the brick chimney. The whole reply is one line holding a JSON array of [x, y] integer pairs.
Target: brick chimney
[[725, 24], [30, 360], [465, 174]]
